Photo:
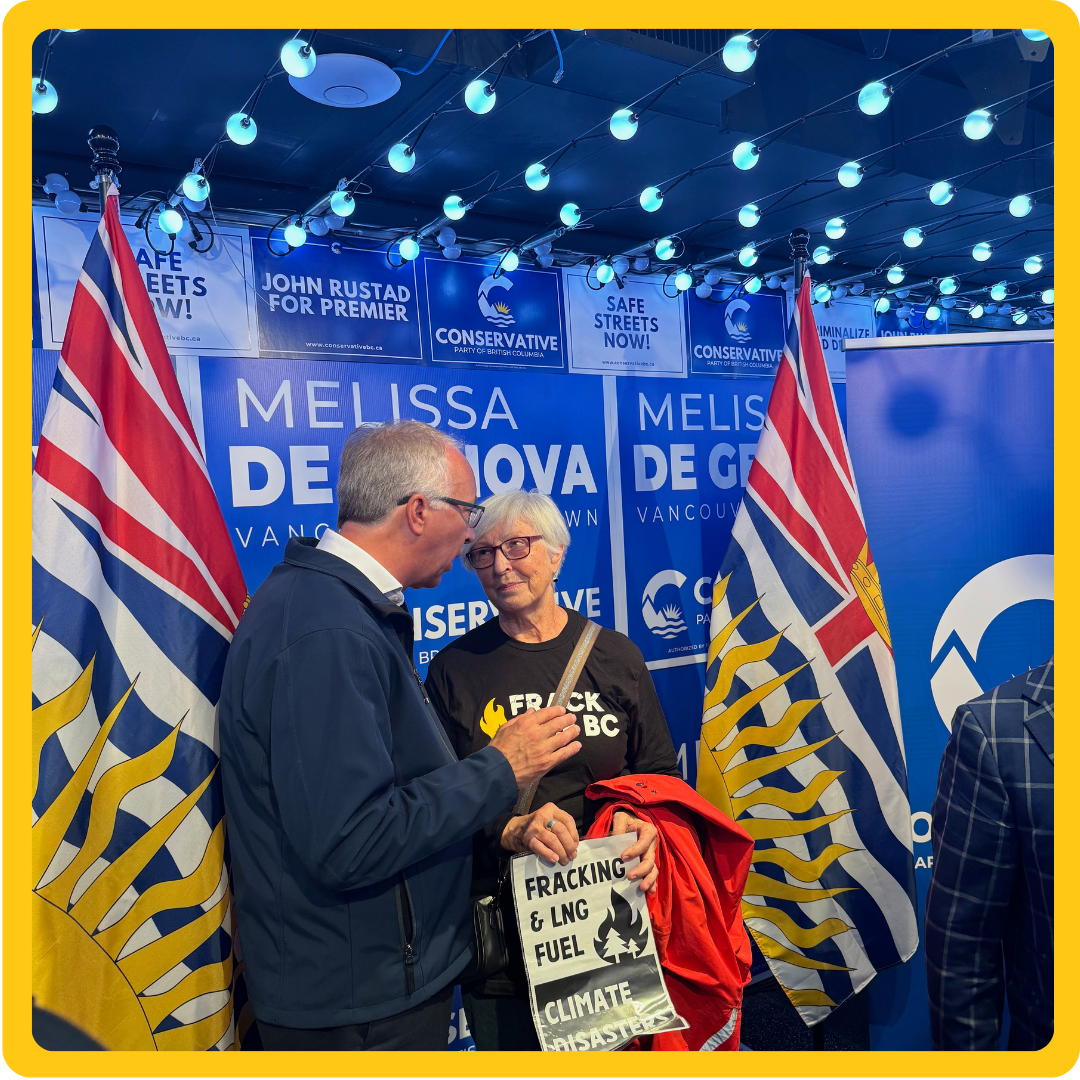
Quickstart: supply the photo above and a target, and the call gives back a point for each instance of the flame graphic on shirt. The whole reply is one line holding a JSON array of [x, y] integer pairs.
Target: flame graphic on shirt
[[494, 717]]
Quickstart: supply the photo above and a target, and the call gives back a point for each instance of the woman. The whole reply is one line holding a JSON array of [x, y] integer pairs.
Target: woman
[[510, 665]]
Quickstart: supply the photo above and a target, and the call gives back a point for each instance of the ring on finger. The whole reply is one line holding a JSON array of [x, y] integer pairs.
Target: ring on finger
[[550, 824]]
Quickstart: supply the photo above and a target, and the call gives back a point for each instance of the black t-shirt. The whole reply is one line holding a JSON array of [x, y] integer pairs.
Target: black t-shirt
[[486, 678]]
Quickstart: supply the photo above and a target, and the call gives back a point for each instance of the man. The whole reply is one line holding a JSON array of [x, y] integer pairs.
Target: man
[[990, 907], [350, 818]]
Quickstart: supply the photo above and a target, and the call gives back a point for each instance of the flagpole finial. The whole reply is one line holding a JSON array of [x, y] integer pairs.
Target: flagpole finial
[[799, 239], [105, 144]]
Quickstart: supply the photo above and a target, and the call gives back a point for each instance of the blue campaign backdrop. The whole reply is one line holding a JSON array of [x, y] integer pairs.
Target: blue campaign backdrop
[[743, 335], [953, 453], [274, 431]]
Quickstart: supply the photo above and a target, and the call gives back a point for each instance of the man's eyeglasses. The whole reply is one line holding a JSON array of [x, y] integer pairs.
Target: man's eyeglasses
[[476, 511], [517, 547]]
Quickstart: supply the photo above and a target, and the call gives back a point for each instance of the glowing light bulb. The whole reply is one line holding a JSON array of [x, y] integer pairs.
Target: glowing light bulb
[[195, 187], [895, 275], [822, 293], [999, 291], [745, 156], [913, 237], [941, 193], [683, 280], [620, 264], [651, 200], [749, 216], [401, 157], [982, 251], [835, 228], [874, 98], [623, 124], [241, 128], [604, 273], [1048, 296], [509, 262], [298, 58], [850, 174], [665, 250], [1020, 317], [751, 285], [822, 254], [408, 248], [295, 234], [44, 97], [882, 305], [570, 214], [976, 312], [949, 285], [748, 255], [537, 176], [1021, 205], [454, 207], [933, 313], [1033, 264], [739, 52], [479, 97], [978, 124], [170, 221], [1034, 35], [342, 203]]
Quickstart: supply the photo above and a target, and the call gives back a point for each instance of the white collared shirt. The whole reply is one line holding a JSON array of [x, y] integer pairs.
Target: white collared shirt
[[336, 544]]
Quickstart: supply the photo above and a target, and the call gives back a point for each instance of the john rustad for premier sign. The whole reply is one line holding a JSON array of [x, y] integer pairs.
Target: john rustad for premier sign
[[594, 977]]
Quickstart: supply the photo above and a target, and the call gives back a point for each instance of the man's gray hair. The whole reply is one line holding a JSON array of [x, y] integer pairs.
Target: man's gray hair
[[383, 463], [535, 509]]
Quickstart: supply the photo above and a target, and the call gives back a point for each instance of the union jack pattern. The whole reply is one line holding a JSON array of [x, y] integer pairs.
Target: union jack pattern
[[801, 740], [136, 595]]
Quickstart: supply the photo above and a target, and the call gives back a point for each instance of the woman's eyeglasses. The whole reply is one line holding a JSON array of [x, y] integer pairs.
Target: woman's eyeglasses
[[517, 547], [476, 511]]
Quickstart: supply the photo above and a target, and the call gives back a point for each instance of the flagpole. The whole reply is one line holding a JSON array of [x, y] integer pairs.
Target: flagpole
[[799, 239], [104, 144]]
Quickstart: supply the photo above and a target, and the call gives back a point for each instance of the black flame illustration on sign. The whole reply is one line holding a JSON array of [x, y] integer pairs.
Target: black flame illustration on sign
[[622, 933]]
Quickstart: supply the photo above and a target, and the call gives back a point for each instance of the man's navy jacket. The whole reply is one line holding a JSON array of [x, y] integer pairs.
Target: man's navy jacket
[[349, 816]]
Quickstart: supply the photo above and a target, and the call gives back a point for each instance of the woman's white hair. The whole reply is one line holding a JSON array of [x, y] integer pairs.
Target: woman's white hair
[[534, 508]]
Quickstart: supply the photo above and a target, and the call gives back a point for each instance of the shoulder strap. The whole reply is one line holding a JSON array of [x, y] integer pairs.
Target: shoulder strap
[[567, 683]]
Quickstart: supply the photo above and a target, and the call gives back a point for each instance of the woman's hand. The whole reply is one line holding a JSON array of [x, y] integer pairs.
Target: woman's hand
[[531, 833], [644, 848]]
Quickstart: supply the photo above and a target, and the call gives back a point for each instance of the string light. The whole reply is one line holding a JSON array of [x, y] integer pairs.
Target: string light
[[913, 237], [604, 272], [882, 305], [44, 97], [683, 280], [408, 248], [195, 187], [895, 275], [1035, 35], [712, 276], [949, 285], [170, 221], [850, 174], [570, 214], [822, 294], [739, 52], [342, 203], [749, 216], [401, 157], [1033, 264], [295, 234], [978, 124], [620, 264], [1020, 317], [623, 124], [537, 176], [454, 207], [1021, 205], [748, 255], [651, 200], [509, 262], [976, 312], [835, 228], [941, 193], [752, 285], [933, 313], [982, 251], [999, 291], [665, 250], [745, 156], [298, 58], [1048, 296], [704, 290], [874, 98], [822, 254], [641, 263], [241, 128], [479, 97]]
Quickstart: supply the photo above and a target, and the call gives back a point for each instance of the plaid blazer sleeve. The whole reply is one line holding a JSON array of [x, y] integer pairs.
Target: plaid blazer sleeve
[[975, 861]]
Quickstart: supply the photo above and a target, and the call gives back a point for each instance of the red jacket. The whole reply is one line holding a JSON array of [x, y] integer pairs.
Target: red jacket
[[703, 858]]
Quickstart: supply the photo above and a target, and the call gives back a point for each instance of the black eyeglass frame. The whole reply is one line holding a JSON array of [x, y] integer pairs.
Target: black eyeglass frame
[[476, 511], [501, 547]]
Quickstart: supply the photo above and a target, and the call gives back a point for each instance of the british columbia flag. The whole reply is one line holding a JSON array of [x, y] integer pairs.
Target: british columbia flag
[[136, 594], [801, 740]]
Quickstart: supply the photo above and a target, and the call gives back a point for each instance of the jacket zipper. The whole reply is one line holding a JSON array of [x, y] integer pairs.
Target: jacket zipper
[[407, 922], [432, 714]]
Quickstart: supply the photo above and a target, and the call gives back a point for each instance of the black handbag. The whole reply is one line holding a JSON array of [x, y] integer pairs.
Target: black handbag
[[490, 954]]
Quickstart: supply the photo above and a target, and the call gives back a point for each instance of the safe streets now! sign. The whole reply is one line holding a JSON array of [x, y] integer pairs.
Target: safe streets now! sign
[[594, 977]]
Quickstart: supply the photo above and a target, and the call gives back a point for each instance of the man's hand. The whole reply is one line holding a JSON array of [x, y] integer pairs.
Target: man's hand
[[644, 848], [531, 833], [535, 742]]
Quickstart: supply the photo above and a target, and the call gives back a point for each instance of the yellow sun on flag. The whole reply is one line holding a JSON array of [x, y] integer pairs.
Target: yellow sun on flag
[[92, 965]]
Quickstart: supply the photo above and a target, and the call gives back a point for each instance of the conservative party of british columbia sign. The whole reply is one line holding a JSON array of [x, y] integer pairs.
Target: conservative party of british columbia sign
[[594, 977], [740, 335]]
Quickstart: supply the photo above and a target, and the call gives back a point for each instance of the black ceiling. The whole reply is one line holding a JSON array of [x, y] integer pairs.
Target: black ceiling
[[167, 114]]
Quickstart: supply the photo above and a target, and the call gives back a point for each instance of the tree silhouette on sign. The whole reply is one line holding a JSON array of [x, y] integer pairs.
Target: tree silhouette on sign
[[614, 947]]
